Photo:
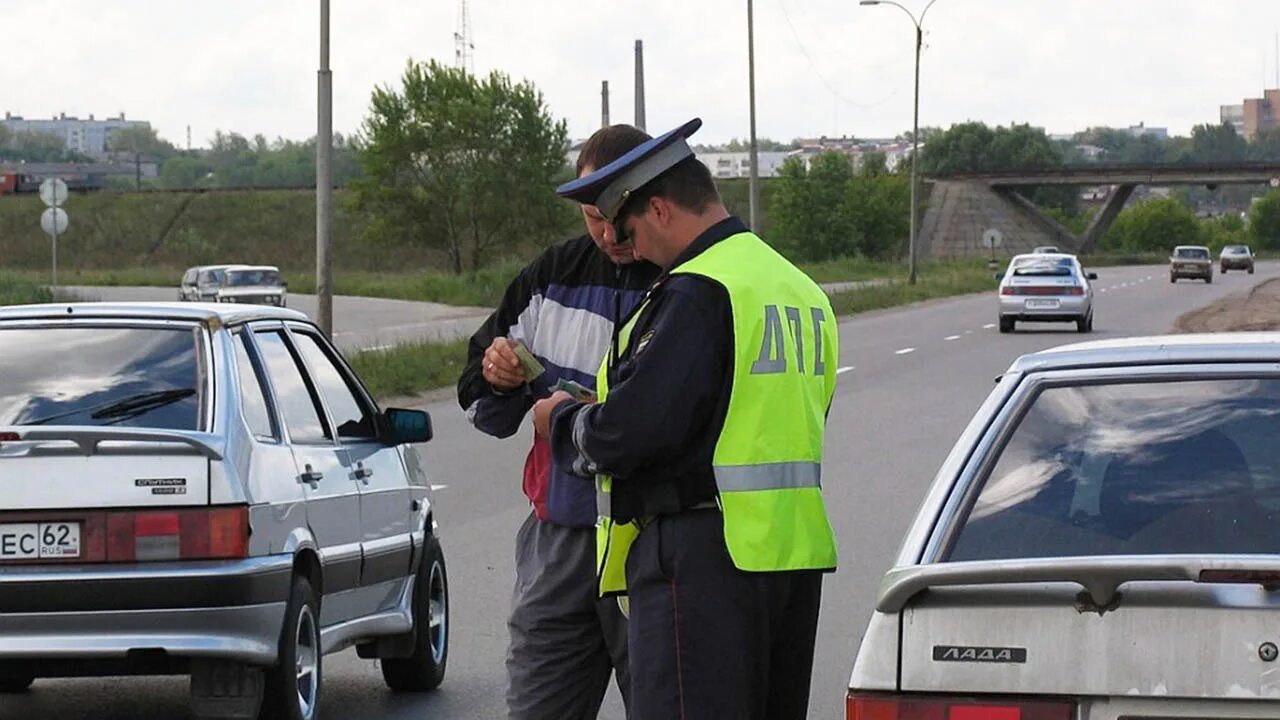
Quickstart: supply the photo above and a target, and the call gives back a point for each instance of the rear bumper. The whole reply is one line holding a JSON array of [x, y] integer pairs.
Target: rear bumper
[[228, 610], [1236, 264], [1194, 272], [1069, 309]]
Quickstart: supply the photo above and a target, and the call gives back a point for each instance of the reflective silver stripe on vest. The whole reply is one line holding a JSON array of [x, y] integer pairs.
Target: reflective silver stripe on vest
[[604, 503], [770, 476]]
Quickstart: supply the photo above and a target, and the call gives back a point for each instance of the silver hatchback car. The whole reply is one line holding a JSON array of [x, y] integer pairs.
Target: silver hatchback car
[[208, 490], [1046, 287], [1102, 543]]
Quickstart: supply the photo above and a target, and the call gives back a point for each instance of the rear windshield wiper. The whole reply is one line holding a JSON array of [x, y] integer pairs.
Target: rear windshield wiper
[[123, 408]]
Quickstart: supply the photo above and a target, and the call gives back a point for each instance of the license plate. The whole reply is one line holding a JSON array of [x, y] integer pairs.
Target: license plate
[[37, 541], [1041, 304]]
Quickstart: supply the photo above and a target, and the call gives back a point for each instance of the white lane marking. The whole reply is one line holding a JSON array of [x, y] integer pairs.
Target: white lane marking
[[843, 370], [988, 326], [1102, 290], [968, 332], [951, 337], [904, 351], [438, 487], [377, 347]]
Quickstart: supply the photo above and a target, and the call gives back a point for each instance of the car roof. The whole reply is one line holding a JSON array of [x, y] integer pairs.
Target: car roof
[[1155, 350], [237, 268], [1041, 257], [224, 313], [1190, 247]]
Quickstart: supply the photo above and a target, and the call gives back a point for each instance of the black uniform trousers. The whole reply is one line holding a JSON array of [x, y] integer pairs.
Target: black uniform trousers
[[708, 640]]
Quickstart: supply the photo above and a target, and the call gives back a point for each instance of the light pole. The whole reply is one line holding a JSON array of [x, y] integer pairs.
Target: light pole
[[753, 187], [915, 126], [324, 180]]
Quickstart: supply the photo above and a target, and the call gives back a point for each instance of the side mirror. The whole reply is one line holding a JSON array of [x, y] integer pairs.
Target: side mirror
[[284, 285], [999, 277], [406, 426], [1092, 276]]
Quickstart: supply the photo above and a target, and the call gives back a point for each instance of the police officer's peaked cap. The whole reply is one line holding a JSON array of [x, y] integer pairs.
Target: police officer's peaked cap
[[609, 187]]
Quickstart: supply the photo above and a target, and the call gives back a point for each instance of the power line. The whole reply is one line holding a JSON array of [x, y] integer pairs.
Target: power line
[[818, 73]]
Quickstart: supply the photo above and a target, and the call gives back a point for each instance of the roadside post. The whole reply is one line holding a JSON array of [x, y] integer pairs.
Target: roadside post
[[53, 191]]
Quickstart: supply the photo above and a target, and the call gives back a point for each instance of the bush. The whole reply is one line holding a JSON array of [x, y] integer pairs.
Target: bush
[[1155, 225], [1264, 222]]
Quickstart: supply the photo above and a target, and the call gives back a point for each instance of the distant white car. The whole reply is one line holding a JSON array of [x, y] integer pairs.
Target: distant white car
[[256, 284], [1046, 249], [1046, 288]]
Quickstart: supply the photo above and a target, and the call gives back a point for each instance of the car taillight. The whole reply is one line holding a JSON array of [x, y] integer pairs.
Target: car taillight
[[187, 534], [929, 707], [1075, 290], [1007, 291]]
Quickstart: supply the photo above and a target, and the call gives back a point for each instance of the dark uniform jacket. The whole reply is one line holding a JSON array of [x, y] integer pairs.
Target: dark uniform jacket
[[668, 397], [563, 307]]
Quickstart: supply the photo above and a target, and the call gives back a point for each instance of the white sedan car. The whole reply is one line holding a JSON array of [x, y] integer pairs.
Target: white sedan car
[[1102, 543], [208, 490], [1046, 287]]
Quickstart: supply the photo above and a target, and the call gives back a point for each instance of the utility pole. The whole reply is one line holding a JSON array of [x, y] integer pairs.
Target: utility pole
[[640, 84], [324, 180], [463, 48], [753, 191], [604, 103]]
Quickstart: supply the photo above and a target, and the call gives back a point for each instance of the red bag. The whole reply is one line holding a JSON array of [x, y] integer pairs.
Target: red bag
[[537, 476]]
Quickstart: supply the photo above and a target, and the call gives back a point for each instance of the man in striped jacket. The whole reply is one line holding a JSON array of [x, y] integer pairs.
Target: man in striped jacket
[[565, 640]]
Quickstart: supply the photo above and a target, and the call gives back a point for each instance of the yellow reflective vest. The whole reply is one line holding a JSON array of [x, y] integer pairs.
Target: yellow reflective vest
[[768, 458]]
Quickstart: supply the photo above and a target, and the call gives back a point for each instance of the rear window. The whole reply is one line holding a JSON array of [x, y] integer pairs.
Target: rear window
[[123, 377], [1119, 469], [1032, 267], [1193, 253]]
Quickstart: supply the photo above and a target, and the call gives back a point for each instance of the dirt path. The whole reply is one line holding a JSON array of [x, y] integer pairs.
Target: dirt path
[[1255, 309]]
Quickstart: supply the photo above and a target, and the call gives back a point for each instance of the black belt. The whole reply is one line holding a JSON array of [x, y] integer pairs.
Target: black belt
[[707, 505]]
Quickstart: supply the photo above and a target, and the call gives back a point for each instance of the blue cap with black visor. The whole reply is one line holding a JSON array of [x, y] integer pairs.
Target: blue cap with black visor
[[608, 188]]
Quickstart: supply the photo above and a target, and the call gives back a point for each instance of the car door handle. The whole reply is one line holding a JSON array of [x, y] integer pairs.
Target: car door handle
[[362, 474], [311, 477]]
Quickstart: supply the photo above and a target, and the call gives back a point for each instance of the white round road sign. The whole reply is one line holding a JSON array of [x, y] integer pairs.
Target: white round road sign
[[1275, 182], [53, 191], [53, 221], [992, 238]]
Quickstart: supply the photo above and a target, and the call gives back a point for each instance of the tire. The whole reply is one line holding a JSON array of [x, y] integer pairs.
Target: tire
[[1250, 269], [1208, 280], [1223, 270], [288, 694], [1173, 279], [15, 683], [1006, 325], [1085, 324], [424, 669]]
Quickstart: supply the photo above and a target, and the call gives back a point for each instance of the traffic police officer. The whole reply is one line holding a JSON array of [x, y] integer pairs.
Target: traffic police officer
[[706, 446]]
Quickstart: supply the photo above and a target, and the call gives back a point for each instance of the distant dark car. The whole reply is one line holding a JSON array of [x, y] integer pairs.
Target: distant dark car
[[1236, 257], [1191, 261]]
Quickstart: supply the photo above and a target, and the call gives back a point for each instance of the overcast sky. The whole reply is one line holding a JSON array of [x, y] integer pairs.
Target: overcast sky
[[822, 66]]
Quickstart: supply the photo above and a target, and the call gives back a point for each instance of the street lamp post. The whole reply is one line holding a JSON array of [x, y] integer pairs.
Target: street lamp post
[[915, 127], [753, 190]]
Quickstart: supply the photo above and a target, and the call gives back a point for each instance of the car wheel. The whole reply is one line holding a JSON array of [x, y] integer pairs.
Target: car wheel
[[1208, 279], [1085, 324], [1006, 325], [1223, 270], [293, 685], [1173, 279], [15, 683], [424, 669], [1250, 269]]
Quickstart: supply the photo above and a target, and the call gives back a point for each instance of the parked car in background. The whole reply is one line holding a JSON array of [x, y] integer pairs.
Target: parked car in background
[[257, 284], [1046, 249], [1045, 288], [1235, 257], [1102, 543], [208, 491], [200, 283], [1191, 261]]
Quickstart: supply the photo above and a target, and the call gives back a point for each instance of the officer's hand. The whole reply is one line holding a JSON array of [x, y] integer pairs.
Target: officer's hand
[[500, 365], [542, 412]]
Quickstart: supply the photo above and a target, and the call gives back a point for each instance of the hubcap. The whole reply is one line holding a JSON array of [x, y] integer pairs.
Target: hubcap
[[437, 612], [307, 654]]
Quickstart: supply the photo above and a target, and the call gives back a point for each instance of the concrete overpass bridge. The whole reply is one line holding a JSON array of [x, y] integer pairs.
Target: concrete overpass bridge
[[964, 207]]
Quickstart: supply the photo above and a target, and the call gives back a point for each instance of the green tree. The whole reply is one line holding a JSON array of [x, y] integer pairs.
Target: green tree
[[184, 171], [809, 208], [1264, 221], [140, 139], [1217, 144], [1154, 226], [1265, 146], [1223, 230], [878, 204], [37, 147], [461, 163]]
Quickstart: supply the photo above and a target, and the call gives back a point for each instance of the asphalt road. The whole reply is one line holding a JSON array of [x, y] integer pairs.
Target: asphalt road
[[916, 377], [359, 323]]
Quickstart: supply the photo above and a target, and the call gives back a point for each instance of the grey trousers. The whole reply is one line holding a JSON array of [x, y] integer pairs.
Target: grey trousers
[[565, 641]]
